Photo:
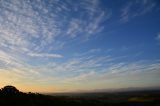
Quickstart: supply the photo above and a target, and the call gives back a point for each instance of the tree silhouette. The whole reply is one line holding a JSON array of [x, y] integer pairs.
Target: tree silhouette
[[10, 90]]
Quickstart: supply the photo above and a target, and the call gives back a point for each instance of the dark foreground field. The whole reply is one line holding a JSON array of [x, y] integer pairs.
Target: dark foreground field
[[10, 96]]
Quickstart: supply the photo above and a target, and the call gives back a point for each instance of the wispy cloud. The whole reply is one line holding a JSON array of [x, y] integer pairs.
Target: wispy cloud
[[94, 16], [136, 8], [35, 42], [89, 52], [21, 29], [158, 37], [114, 76], [45, 55], [29, 25], [91, 69], [28, 28]]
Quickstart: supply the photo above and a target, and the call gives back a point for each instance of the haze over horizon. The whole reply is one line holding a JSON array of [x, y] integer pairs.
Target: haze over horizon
[[73, 45]]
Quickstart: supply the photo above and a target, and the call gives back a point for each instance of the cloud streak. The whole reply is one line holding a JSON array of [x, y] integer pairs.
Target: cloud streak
[[45, 55]]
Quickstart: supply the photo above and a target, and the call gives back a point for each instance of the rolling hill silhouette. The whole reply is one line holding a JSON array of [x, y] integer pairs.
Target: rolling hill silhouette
[[11, 96]]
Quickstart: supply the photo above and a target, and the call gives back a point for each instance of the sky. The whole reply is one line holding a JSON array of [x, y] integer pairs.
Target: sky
[[79, 45]]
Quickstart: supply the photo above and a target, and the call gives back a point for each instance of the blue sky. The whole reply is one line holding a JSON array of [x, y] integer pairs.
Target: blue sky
[[73, 45]]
